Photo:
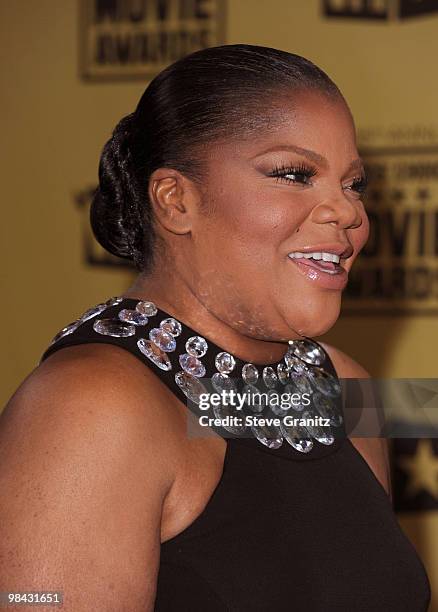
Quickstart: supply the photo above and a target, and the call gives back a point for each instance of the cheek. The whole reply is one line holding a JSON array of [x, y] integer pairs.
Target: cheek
[[256, 222]]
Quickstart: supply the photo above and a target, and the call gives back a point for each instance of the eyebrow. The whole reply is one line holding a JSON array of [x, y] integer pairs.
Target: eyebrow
[[356, 164]]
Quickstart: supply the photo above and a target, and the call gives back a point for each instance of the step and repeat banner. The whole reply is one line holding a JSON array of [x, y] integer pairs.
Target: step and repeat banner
[[71, 69]]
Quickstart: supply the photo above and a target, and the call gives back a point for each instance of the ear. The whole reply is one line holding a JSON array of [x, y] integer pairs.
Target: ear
[[174, 199]]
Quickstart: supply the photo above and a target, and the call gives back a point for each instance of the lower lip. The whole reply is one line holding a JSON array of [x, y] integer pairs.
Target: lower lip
[[322, 279]]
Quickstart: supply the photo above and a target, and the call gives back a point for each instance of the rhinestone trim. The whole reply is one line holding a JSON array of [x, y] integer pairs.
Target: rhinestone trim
[[299, 371]]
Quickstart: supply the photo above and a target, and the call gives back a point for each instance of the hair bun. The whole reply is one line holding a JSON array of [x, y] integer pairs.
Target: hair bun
[[115, 213]]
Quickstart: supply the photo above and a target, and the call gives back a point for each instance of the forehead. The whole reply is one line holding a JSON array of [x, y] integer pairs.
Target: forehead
[[309, 120]]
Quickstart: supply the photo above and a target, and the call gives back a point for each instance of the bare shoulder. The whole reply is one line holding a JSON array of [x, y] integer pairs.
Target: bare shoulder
[[84, 476], [92, 374], [95, 398], [345, 366]]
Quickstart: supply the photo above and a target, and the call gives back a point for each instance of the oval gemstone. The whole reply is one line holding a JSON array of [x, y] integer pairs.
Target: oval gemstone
[[154, 353], [324, 382], [297, 436], [132, 316], [192, 365], [65, 331], [282, 373], [294, 363], [276, 403], [327, 408], [92, 312], [270, 378], [113, 327], [298, 403], [274, 397], [222, 382], [319, 432], [308, 351], [190, 386], [147, 308], [224, 362], [171, 326], [301, 382], [269, 435], [255, 399], [164, 340], [250, 373], [232, 419], [196, 346], [113, 301]]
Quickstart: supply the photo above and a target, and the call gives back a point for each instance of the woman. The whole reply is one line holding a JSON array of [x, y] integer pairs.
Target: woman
[[235, 187]]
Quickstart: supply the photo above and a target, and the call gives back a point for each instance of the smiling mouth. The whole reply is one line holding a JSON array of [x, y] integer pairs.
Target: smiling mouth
[[330, 264]]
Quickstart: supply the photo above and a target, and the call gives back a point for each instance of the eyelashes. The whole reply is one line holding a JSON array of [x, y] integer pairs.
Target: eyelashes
[[300, 170], [302, 173], [360, 184]]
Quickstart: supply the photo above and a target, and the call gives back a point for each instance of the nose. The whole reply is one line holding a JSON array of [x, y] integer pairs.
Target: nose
[[340, 211]]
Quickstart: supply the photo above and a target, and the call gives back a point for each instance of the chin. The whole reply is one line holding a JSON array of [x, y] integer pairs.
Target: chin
[[316, 318]]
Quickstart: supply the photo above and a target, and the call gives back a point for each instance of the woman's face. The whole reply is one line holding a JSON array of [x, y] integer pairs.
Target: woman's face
[[292, 189]]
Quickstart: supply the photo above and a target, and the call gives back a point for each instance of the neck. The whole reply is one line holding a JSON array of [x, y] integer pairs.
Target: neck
[[187, 308]]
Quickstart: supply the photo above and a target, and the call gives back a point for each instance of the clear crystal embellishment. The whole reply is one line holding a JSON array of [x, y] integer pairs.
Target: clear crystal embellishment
[[224, 362], [190, 386], [147, 308], [325, 382], [171, 326], [196, 346], [113, 301], [113, 327], [254, 399], [269, 435], [154, 353], [294, 363], [277, 407], [298, 402], [326, 408], [164, 340], [282, 373], [301, 382], [250, 374], [221, 382], [297, 436], [192, 365], [270, 378], [65, 331], [92, 312], [320, 433], [308, 351], [132, 316], [235, 424]]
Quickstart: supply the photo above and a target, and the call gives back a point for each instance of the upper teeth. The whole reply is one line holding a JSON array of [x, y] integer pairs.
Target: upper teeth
[[324, 256]]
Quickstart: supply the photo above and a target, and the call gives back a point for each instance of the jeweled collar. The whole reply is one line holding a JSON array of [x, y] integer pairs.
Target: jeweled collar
[[194, 365]]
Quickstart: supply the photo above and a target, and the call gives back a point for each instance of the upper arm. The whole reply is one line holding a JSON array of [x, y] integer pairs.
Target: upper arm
[[375, 449], [83, 482]]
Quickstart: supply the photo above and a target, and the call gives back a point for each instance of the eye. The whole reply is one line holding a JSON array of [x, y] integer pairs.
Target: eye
[[359, 185], [300, 173]]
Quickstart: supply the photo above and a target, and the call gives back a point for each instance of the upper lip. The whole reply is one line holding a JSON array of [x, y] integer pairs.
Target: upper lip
[[341, 249]]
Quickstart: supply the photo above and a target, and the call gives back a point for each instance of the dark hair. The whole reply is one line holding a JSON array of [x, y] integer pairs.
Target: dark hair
[[212, 93]]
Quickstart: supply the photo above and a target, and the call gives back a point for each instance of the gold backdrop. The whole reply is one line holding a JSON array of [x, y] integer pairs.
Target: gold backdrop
[[69, 74]]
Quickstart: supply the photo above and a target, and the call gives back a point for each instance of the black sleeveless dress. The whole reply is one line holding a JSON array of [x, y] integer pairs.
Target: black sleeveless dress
[[287, 528]]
